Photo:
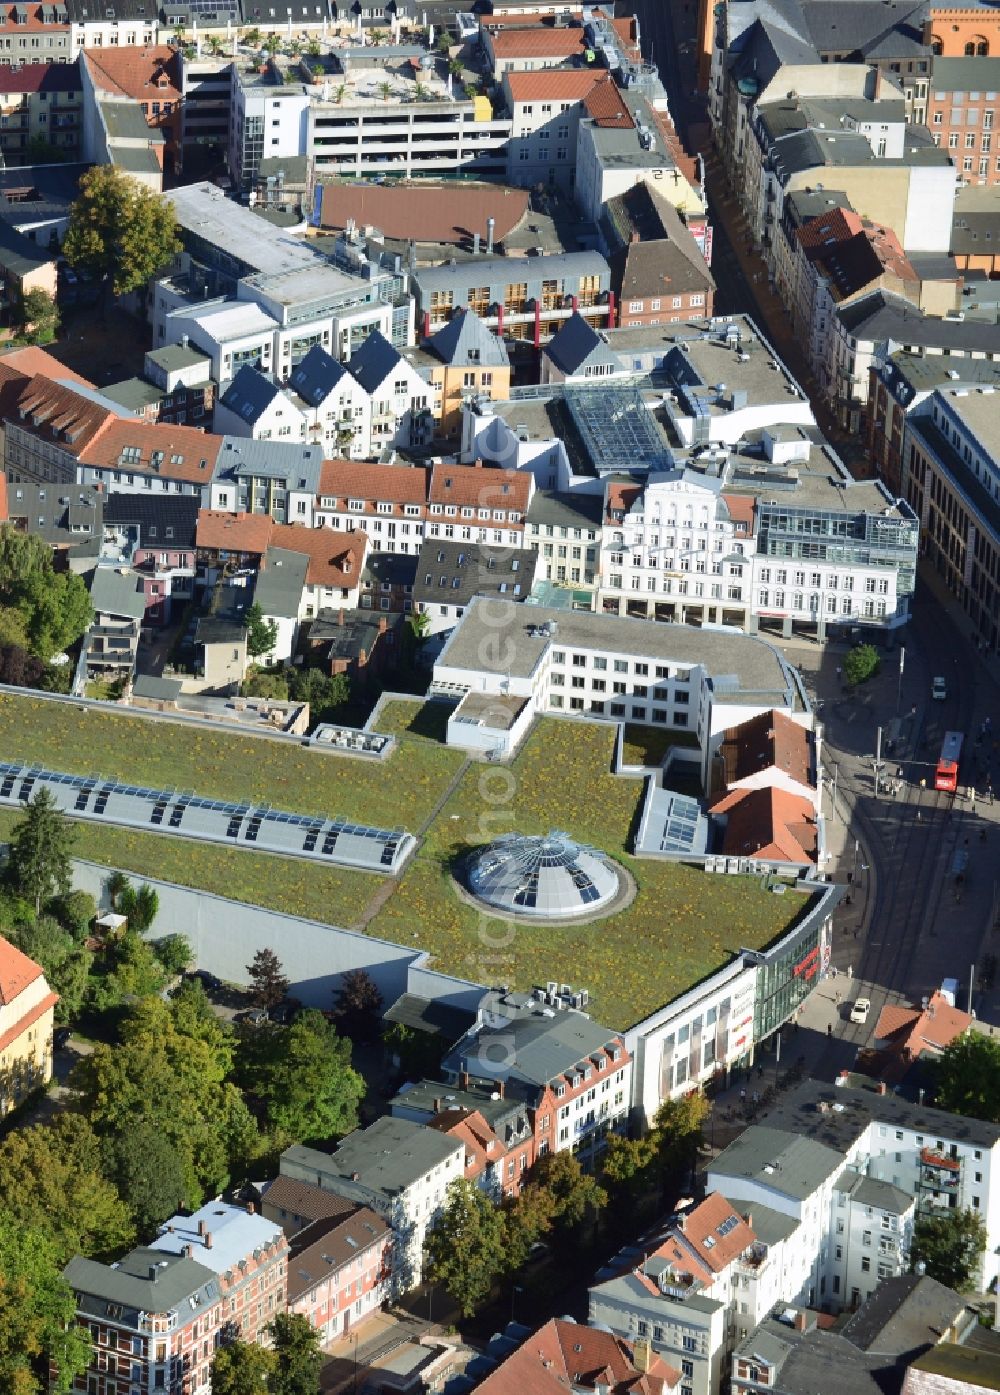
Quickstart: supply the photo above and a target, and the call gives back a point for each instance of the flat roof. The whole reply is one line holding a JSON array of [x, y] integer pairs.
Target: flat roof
[[204, 211], [387, 1157], [234, 319], [498, 712], [785, 1162], [748, 663]]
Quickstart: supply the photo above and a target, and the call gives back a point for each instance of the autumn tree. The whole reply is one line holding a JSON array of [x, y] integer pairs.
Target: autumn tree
[[299, 1359], [526, 1217], [269, 986], [52, 1179], [575, 1193], [37, 1315], [465, 1250], [120, 231]]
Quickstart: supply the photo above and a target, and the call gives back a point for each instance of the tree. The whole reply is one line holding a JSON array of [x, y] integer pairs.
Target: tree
[[149, 1174], [455, 67], [65, 962], [127, 969], [968, 1077], [861, 663], [39, 316], [629, 1166], [678, 1129], [52, 1180], [269, 986], [465, 1251], [295, 1343], [418, 1053], [302, 1078], [174, 1080], [174, 953], [265, 683], [443, 41], [357, 1005], [20, 669], [242, 1368], [575, 1194], [37, 1315], [527, 1217], [40, 849], [140, 906], [950, 1245], [252, 37], [323, 692], [385, 90], [262, 635], [419, 623], [75, 912], [119, 230], [41, 610], [114, 886]]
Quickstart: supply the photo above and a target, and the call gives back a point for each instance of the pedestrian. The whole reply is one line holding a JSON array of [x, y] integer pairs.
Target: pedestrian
[[834, 971], [839, 671], [829, 1029], [743, 1094], [847, 899]]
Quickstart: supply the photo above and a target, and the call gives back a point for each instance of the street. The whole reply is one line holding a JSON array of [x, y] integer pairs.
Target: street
[[904, 925]]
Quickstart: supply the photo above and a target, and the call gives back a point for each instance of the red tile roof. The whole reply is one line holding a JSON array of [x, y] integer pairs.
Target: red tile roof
[[28, 1020], [234, 532], [145, 74], [34, 22], [31, 360], [482, 1147], [425, 213], [839, 225], [341, 480], [620, 498], [17, 972], [185, 452], [306, 1202], [557, 85], [481, 487], [605, 104], [741, 509], [771, 740], [769, 824], [539, 41], [716, 1232], [564, 1356], [39, 77], [335, 559], [910, 1032], [58, 414]]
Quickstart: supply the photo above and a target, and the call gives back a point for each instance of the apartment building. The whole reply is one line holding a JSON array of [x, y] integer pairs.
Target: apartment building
[[26, 1013], [400, 1170], [247, 1253], [659, 270], [878, 323], [148, 76], [961, 106], [565, 532], [127, 456], [277, 478], [39, 102], [951, 475], [801, 1160], [545, 109], [517, 297], [184, 376], [35, 33], [253, 405], [715, 1275], [966, 30], [128, 24], [388, 502], [461, 359], [155, 535], [449, 574], [153, 1319], [573, 1075], [340, 1270]]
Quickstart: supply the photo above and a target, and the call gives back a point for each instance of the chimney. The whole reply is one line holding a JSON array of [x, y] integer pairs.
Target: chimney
[[801, 1320], [340, 616], [477, 464], [185, 340], [251, 1208], [208, 1239], [437, 1105], [749, 1219], [201, 1227], [634, 238], [642, 1355], [498, 1084], [383, 624], [188, 1252], [475, 245], [491, 224], [463, 1079], [355, 1176], [153, 1270]]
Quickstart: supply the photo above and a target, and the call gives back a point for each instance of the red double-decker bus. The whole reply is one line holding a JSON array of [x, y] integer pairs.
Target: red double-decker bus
[[946, 773]]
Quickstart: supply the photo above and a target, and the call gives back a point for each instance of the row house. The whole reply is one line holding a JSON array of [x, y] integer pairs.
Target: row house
[[823, 1144], [277, 478], [523, 298], [155, 535], [463, 358], [497, 1128], [478, 504], [46, 428], [339, 1271], [184, 376], [400, 1170], [230, 542], [715, 1276], [27, 1006], [39, 102], [127, 456], [545, 110], [565, 530], [247, 1252], [574, 1075], [152, 1320], [961, 107]]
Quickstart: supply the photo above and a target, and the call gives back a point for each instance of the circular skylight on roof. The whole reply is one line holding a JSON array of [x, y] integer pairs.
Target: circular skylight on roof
[[550, 877]]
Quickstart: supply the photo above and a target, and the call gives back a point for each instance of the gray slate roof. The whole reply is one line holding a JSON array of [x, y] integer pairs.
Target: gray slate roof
[[317, 375], [145, 1280], [527, 1048], [784, 1162], [388, 1157], [280, 581], [575, 343], [465, 339], [882, 317], [298, 465], [808, 1111], [372, 363], [250, 394], [903, 1315], [114, 593], [451, 573]]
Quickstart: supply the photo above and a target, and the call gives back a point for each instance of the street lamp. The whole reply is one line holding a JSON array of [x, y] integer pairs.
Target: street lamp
[[899, 685]]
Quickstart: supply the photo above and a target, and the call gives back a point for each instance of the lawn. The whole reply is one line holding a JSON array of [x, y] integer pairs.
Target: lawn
[[648, 745], [681, 926], [63, 736]]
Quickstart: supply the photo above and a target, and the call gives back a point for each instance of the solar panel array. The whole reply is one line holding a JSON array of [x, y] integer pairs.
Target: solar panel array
[[184, 812]]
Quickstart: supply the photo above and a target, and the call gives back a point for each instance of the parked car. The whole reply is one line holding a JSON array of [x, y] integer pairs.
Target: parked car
[[253, 1017], [939, 689], [860, 1010], [61, 1037]]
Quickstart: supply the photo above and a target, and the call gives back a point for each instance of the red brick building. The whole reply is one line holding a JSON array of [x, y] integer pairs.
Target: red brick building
[[963, 100]]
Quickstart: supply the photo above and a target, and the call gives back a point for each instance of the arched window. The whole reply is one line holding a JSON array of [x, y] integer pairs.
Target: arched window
[[982, 48], [970, 50], [937, 47]]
